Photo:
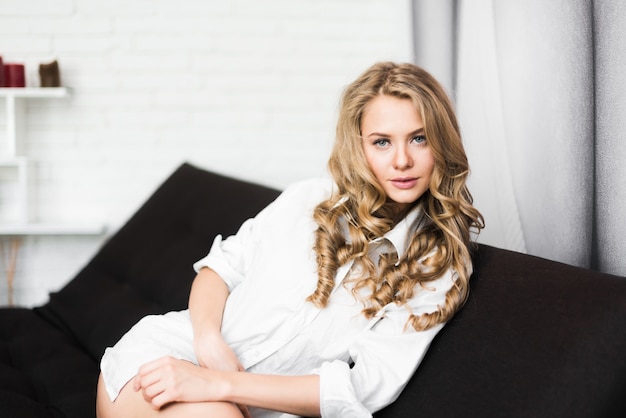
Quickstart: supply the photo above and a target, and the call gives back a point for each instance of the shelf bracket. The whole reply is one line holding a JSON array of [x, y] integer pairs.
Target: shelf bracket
[[11, 126]]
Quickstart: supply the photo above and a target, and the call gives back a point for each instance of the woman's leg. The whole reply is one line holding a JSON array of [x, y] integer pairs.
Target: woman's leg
[[131, 404]]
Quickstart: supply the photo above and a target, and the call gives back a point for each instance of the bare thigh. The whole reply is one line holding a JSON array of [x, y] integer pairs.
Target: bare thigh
[[132, 405]]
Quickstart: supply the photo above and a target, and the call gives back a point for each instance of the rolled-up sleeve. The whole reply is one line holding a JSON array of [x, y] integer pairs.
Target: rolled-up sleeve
[[229, 257], [385, 357], [232, 257]]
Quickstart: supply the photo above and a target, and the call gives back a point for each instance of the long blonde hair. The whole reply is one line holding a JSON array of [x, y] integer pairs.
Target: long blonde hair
[[359, 200]]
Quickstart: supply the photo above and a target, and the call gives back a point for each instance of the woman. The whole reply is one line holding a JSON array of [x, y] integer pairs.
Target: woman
[[325, 303]]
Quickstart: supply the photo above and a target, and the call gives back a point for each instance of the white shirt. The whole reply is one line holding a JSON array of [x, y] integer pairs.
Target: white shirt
[[270, 269]]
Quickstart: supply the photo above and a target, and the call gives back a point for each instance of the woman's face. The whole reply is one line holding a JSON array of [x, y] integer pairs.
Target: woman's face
[[396, 149]]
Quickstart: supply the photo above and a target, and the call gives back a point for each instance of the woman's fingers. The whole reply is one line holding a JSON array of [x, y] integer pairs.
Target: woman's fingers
[[153, 379], [167, 380]]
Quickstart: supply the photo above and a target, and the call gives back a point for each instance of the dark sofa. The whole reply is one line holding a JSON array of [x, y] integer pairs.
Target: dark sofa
[[536, 338]]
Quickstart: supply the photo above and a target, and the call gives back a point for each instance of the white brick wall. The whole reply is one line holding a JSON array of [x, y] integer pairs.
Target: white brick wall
[[246, 88]]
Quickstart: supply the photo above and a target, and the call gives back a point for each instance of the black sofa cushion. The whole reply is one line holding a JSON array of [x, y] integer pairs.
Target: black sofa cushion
[[43, 373], [146, 267]]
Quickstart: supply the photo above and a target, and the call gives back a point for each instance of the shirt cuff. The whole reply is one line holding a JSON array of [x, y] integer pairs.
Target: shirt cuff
[[337, 396]]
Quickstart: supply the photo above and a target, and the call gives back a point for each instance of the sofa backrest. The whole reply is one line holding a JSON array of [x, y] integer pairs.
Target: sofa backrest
[[146, 267], [536, 338]]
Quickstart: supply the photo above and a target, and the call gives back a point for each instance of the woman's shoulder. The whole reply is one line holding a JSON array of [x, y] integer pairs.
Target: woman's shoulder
[[296, 203], [310, 191]]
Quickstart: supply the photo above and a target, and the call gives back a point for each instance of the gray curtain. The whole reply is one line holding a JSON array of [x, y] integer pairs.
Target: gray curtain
[[540, 89]]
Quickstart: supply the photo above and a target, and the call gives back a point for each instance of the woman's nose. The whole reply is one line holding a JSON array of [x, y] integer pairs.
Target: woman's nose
[[402, 159]]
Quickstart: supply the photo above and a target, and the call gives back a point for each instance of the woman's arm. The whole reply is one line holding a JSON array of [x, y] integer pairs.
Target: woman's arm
[[298, 395], [206, 306], [169, 380], [293, 394], [206, 301]]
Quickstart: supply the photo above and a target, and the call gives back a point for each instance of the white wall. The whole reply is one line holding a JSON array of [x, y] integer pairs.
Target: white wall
[[246, 88]]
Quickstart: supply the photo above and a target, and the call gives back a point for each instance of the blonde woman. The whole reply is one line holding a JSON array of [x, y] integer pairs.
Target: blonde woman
[[325, 303]]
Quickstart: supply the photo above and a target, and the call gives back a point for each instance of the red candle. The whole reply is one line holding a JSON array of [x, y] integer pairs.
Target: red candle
[[1, 73], [14, 75]]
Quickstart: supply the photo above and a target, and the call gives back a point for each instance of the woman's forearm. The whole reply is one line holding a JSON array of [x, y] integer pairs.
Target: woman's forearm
[[206, 302], [298, 395], [206, 309]]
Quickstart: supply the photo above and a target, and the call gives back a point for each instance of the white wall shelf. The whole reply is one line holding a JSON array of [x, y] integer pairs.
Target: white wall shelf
[[9, 159], [11, 94], [14, 231], [17, 230], [36, 92], [13, 97]]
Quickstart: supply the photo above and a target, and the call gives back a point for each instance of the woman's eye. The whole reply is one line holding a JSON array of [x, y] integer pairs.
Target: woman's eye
[[381, 142], [419, 139]]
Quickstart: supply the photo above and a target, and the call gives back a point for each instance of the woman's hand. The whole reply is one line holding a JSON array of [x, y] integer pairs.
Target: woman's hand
[[213, 353], [168, 380]]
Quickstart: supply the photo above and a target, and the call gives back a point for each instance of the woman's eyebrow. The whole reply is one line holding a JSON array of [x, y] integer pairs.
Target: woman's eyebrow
[[377, 134], [415, 132]]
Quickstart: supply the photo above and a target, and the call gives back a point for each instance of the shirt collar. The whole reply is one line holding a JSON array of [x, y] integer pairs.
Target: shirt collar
[[399, 236]]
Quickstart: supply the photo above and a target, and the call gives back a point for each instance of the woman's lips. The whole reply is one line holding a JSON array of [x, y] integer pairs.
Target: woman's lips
[[404, 182]]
